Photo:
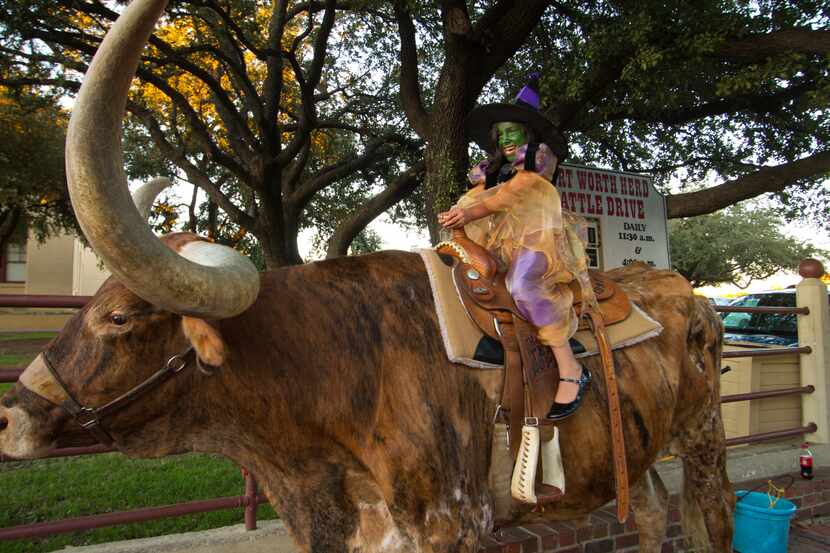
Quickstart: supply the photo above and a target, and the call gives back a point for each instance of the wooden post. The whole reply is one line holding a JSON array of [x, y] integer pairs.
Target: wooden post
[[814, 332], [249, 500]]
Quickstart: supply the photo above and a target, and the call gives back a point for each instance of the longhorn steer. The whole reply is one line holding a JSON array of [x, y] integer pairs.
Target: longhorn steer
[[334, 388], [336, 392]]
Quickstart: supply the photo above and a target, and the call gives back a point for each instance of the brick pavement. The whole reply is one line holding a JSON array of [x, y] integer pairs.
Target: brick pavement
[[811, 539], [601, 533]]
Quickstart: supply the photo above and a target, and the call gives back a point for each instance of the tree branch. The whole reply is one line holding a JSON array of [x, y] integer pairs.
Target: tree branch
[[757, 47], [308, 113], [336, 171], [272, 87], [456, 19], [295, 170], [757, 103], [767, 179], [410, 87], [403, 185], [212, 83], [260, 53], [198, 126], [499, 33], [232, 55], [314, 7], [193, 173]]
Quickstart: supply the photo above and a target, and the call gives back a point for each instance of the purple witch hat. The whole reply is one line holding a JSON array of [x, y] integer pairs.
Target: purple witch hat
[[524, 109]]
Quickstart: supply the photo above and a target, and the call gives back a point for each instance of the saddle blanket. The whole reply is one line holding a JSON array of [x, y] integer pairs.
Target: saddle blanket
[[463, 339]]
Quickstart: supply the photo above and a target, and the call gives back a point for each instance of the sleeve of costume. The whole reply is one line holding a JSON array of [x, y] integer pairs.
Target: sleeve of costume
[[530, 203], [525, 186], [476, 230]]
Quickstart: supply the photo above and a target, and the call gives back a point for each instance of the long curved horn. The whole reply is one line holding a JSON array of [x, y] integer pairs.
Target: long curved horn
[[219, 285], [145, 195]]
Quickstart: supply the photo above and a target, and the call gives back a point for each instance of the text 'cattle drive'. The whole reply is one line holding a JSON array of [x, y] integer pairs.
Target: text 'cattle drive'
[[363, 434]]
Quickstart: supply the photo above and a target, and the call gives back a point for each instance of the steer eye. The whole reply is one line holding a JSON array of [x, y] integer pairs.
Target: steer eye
[[118, 318]]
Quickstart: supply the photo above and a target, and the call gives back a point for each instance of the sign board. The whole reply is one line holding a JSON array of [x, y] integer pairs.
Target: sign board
[[626, 215]]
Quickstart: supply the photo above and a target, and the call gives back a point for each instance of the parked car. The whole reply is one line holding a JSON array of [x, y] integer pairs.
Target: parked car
[[720, 301], [770, 329]]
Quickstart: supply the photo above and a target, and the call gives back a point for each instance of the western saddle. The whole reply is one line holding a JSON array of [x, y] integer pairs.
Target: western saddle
[[531, 375]]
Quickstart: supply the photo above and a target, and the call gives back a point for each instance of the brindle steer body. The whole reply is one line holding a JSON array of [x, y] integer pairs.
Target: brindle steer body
[[336, 393]]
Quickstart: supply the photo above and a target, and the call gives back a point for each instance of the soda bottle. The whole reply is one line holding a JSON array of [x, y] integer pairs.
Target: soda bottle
[[805, 461]]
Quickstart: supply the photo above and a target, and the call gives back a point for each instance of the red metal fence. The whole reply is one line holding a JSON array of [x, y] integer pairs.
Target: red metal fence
[[250, 500]]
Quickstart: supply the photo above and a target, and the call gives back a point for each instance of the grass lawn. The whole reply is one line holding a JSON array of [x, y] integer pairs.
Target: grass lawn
[[52, 489], [11, 360], [61, 488], [14, 336]]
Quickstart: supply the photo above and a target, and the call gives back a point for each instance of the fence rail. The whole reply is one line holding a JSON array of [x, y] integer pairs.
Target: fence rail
[[767, 352], [42, 300], [249, 501], [43, 529], [774, 435], [769, 393]]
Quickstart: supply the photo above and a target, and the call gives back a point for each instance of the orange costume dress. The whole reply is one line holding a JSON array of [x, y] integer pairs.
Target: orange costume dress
[[542, 246]]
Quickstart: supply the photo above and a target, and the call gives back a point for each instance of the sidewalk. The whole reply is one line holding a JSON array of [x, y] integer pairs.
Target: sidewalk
[[272, 538], [269, 537]]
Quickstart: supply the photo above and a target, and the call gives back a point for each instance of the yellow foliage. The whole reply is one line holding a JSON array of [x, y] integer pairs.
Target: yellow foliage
[[187, 31]]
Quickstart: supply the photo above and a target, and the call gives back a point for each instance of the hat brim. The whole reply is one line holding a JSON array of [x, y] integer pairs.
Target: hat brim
[[482, 118]]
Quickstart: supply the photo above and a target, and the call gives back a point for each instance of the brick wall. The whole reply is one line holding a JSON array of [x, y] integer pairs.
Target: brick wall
[[601, 533]]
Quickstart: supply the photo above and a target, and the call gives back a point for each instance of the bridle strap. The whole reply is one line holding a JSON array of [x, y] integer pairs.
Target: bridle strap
[[90, 418]]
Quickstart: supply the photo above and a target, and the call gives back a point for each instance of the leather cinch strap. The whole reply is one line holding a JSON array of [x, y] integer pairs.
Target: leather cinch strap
[[614, 415]]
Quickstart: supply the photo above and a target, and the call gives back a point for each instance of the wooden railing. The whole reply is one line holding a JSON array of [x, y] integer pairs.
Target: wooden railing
[[248, 501], [810, 270]]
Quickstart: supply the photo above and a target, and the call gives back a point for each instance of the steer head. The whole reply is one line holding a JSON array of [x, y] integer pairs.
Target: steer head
[[161, 297], [114, 344]]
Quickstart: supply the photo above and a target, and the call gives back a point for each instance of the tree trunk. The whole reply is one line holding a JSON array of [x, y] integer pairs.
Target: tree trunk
[[446, 150], [277, 232]]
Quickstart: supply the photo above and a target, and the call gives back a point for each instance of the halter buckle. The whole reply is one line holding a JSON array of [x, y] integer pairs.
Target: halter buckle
[[87, 418], [176, 363]]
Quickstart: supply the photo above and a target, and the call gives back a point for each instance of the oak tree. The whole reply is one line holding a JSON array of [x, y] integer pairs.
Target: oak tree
[[246, 100]]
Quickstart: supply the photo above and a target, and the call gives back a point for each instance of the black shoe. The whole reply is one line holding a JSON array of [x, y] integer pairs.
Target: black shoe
[[559, 411]]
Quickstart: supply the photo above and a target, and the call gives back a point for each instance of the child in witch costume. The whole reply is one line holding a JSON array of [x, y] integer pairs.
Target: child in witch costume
[[514, 211]]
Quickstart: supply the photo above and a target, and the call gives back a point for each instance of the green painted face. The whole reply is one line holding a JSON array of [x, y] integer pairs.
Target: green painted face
[[511, 135]]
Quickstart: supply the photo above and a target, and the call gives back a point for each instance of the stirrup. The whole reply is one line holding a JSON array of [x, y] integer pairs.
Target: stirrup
[[524, 487]]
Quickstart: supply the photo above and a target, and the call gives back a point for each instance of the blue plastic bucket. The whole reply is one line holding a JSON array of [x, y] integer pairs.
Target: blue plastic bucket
[[759, 529]]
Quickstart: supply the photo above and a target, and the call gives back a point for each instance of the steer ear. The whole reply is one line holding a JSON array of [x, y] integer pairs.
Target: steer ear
[[206, 340]]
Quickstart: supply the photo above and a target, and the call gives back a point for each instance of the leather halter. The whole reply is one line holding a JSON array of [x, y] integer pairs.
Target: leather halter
[[89, 418]]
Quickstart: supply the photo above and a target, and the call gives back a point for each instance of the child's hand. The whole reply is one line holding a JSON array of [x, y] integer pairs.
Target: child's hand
[[456, 217]]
